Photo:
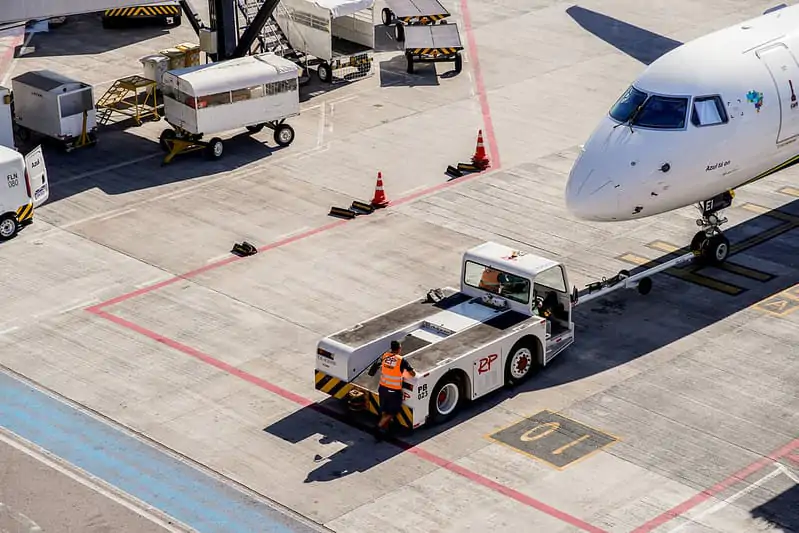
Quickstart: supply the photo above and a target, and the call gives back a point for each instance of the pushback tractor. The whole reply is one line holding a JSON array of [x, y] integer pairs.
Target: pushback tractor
[[511, 317]]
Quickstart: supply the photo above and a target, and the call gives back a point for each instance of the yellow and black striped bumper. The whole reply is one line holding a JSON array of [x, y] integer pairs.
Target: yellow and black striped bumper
[[339, 389], [429, 19], [143, 11], [25, 213], [432, 51]]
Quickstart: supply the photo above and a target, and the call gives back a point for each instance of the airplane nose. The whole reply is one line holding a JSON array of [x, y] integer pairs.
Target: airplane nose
[[590, 195]]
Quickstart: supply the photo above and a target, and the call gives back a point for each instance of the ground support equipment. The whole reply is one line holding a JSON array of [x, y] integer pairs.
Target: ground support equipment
[[403, 13], [178, 141], [432, 44], [134, 97]]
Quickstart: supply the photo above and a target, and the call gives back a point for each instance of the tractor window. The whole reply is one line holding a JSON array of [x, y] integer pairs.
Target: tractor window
[[497, 282], [552, 279]]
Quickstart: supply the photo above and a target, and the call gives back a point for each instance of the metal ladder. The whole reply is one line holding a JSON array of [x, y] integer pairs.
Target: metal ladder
[[271, 38]]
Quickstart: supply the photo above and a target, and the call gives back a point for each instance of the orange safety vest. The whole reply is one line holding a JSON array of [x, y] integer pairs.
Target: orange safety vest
[[391, 375], [490, 280]]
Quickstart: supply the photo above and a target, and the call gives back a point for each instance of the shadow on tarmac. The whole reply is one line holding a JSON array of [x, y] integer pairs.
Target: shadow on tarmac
[[636, 42], [781, 512]]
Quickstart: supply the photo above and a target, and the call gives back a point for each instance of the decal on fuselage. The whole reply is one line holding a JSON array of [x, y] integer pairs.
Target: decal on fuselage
[[756, 98], [716, 166]]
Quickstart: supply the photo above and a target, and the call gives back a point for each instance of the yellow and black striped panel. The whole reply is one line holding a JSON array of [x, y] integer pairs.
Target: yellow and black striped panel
[[25, 213], [333, 386], [432, 51], [429, 19], [339, 389], [143, 11]]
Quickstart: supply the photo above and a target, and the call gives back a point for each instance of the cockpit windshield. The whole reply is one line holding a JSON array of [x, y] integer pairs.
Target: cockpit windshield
[[623, 109], [658, 112]]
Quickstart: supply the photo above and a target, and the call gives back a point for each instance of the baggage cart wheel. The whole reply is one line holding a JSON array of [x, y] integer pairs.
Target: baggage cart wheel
[[409, 58], [255, 128], [8, 227], [522, 362], [445, 399], [324, 72], [214, 149], [388, 16], [458, 62], [399, 32], [166, 135], [284, 135]]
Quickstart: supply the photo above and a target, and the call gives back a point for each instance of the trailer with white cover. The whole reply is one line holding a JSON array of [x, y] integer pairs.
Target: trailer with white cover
[[333, 35], [511, 316], [51, 105], [250, 92]]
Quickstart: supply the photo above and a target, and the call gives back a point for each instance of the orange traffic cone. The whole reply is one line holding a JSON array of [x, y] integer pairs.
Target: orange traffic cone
[[380, 199], [480, 159]]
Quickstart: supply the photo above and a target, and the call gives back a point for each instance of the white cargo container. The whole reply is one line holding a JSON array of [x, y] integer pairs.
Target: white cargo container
[[335, 34], [250, 92], [55, 106]]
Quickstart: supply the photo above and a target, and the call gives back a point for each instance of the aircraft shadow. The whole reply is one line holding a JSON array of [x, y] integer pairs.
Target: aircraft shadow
[[636, 42], [781, 512], [611, 332]]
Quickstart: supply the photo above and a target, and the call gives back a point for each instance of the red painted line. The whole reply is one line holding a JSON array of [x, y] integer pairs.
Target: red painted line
[[304, 402], [485, 108], [718, 487], [794, 458]]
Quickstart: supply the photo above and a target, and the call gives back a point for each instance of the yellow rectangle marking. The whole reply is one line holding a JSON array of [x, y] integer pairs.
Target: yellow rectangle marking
[[793, 292], [710, 283], [774, 213], [727, 266], [778, 305], [792, 191]]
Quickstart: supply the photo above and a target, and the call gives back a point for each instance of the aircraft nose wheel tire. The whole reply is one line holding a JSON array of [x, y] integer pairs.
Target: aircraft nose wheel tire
[[714, 250]]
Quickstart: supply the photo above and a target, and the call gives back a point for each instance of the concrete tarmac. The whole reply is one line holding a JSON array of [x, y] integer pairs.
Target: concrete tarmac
[[126, 299]]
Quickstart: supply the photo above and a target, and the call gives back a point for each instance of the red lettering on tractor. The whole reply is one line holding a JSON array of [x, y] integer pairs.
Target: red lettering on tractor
[[484, 365]]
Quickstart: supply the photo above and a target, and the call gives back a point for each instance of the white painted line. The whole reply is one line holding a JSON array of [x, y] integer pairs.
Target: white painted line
[[117, 214], [67, 309], [320, 134], [152, 282], [218, 258], [788, 473], [87, 480], [724, 503], [9, 330], [411, 191], [330, 122], [20, 519], [106, 169]]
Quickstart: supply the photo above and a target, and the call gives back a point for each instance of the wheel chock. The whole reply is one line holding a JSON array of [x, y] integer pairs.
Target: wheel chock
[[356, 400], [342, 212], [468, 167], [454, 172], [244, 249], [362, 206]]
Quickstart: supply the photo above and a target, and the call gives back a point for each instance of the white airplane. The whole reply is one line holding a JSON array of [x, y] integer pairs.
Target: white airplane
[[702, 120]]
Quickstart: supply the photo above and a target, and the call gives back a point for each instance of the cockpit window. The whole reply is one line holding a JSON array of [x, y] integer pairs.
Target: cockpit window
[[708, 111], [627, 104], [663, 112]]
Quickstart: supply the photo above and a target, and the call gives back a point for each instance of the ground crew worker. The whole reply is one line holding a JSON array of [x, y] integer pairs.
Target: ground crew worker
[[490, 280], [392, 366]]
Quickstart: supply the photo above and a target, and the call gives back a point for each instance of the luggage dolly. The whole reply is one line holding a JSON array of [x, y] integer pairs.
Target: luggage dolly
[[412, 13], [433, 43]]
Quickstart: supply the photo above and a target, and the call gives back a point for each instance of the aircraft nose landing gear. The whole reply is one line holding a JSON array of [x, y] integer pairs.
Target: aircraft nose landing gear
[[710, 243]]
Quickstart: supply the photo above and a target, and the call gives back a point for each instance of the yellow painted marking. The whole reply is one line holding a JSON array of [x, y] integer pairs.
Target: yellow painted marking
[[572, 443], [727, 266], [693, 277], [329, 385], [553, 426], [792, 191], [320, 376], [793, 292], [778, 306], [775, 213]]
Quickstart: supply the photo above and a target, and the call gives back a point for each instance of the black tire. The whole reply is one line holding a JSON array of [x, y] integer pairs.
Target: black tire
[[324, 72], [696, 242], [409, 59], [458, 63], [9, 227], [716, 249], [387, 16], [284, 135], [214, 149], [522, 362], [399, 32], [442, 411], [164, 137], [255, 128]]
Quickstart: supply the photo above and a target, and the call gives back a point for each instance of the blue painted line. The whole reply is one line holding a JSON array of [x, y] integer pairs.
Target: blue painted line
[[164, 482]]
